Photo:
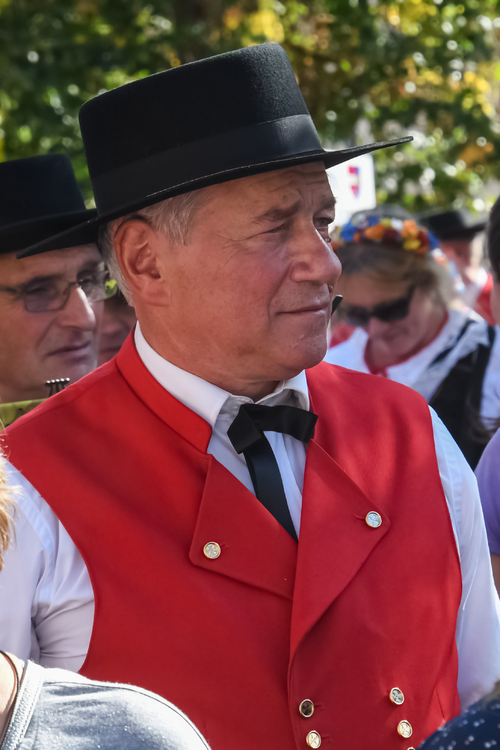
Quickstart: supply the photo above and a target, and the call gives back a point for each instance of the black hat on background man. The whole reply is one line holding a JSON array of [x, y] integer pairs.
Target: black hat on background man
[[233, 115], [454, 225], [39, 198]]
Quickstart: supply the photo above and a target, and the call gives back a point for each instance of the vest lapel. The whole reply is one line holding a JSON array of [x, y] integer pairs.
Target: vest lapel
[[335, 539], [255, 549]]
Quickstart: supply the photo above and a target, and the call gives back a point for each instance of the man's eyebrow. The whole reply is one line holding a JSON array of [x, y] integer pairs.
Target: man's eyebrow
[[38, 279], [90, 265], [277, 214]]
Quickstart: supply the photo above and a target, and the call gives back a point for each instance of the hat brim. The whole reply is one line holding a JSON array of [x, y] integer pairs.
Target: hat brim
[[14, 238], [86, 232]]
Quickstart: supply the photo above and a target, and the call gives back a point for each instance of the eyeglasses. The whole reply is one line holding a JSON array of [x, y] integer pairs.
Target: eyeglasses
[[51, 293], [387, 312]]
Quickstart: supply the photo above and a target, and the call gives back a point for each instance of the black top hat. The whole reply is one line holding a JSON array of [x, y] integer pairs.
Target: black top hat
[[39, 197], [206, 122], [454, 225]]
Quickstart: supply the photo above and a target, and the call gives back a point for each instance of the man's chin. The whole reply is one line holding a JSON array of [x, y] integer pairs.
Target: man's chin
[[72, 370], [304, 360]]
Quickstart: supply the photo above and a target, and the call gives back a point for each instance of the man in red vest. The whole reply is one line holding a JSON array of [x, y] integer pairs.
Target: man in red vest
[[292, 553]]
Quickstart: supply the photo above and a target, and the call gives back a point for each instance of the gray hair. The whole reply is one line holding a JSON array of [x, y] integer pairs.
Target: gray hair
[[172, 217]]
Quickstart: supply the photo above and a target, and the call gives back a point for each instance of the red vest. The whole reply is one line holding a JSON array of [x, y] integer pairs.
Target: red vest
[[239, 641]]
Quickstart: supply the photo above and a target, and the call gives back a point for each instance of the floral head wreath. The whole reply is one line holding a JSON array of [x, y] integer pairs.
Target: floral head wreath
[[407, 234]]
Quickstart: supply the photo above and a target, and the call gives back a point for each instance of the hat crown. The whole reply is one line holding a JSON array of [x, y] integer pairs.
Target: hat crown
[[455, 224], [186, 104], [37, 187]]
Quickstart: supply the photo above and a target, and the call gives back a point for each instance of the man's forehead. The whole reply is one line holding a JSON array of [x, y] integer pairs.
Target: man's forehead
[[281, 187], [68, 260]]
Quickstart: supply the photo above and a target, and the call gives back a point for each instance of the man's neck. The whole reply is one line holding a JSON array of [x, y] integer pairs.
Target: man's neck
[[12, 395], [213, 372]]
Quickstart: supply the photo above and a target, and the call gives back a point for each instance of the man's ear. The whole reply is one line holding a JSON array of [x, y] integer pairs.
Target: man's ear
[[137, 246]]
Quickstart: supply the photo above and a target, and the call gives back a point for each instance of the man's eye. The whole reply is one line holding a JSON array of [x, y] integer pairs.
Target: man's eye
[[88, 282], [38, 291], [324, 222]]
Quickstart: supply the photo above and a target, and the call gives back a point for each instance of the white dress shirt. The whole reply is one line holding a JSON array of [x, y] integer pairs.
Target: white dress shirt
[[46, 605]]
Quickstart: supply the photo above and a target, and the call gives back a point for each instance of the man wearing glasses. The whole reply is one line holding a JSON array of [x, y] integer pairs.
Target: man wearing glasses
[[50, 305]]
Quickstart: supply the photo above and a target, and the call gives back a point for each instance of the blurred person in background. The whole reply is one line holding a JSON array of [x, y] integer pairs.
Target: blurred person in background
[[459, 238], [398, 296], [53, 708], [488, 470], [117, 321], [50, 305], [478, 727], [340, 330]]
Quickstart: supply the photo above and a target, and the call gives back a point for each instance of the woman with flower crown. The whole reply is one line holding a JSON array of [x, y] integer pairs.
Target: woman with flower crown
[[397, 295]]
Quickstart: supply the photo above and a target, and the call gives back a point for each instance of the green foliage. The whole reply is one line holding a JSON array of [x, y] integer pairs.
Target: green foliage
[[427, 67]]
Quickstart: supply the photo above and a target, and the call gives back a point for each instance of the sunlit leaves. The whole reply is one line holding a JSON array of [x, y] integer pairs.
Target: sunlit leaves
[[423, 66]]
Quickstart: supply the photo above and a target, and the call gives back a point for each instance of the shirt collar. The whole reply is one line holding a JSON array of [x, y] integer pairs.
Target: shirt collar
[[206, 399]]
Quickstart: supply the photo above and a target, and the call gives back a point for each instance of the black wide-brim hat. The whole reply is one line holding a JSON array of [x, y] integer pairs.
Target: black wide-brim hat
[[203, 123], [39, 198], [454, 225]]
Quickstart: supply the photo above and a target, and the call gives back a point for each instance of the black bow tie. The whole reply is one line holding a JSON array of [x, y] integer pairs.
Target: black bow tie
[[246, 433]]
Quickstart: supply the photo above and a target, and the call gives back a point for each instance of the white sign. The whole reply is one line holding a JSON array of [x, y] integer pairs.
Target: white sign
[[353, 185]]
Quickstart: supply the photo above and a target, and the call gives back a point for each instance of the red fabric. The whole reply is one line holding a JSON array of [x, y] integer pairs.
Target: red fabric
[[238, 642], [482, 304]]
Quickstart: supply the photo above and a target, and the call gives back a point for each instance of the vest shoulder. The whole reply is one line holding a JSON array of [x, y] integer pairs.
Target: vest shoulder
[[328, 376], [86, 388]]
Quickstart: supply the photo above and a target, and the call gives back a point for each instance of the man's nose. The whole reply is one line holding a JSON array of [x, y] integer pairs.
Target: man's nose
[[78, 312], [314, 259]]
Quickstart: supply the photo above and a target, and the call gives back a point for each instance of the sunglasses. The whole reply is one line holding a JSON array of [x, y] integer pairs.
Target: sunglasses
[[386, 312], [50, 294]]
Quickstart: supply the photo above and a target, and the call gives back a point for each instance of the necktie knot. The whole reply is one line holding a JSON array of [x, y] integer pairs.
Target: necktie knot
[[255, 419], [246, 433]]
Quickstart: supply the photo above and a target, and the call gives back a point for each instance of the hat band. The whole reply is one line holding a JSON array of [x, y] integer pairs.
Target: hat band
[[245, 147]]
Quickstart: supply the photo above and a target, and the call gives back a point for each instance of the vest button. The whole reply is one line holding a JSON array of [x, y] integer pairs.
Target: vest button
[[405, 729], [211, 550], [373, 519], [313, 739], [306, 708], [396, 695]]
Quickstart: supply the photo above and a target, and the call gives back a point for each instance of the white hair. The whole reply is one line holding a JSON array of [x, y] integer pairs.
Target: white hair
[[172, 217]]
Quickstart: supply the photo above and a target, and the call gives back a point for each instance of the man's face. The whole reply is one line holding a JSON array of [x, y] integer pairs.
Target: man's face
[[251, 291], [35, 347]]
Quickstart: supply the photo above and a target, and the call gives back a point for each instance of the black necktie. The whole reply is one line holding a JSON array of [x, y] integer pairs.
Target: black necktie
[[246, 433]]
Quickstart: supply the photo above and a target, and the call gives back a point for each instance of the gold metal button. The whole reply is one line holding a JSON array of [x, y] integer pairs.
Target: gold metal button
[[313, 739], [405, 729], [373, 519], [306, 708], [211, 550], [396, 695]]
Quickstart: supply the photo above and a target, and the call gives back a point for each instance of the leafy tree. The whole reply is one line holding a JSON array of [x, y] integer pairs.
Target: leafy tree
[[368, 69]]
